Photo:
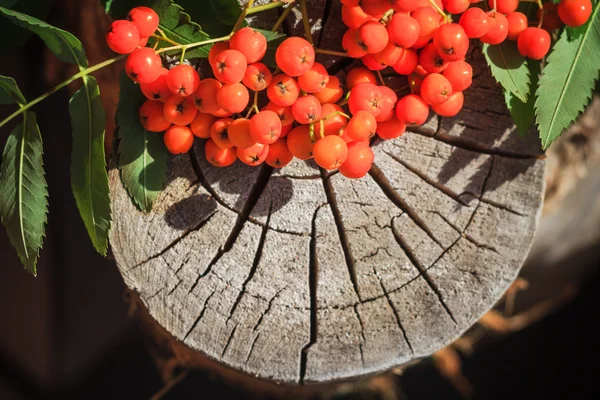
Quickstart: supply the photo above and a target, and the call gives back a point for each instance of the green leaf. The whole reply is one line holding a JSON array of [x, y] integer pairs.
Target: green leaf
[[178, 26], [89, 180], [118, 9], [18, 36], [274, 39], [568, 80], [509, 68], [143, 157], [63, 44], [9, 91], [523, 114], [216, 17], [23, 191]]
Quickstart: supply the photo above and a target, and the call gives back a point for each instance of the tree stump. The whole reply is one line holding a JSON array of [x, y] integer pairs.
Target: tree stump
[[299, 275]]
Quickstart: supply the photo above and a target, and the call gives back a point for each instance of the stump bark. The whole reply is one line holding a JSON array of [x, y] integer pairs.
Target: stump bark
[[300, 275]]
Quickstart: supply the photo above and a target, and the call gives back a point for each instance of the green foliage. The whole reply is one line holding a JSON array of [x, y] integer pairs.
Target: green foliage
[[509, 68], [143, 157], [523, 114], [216, 17], [10, 92], [568, 80], [89, 180], [274, 39], [18, 36], [24, 193], [63, 44]]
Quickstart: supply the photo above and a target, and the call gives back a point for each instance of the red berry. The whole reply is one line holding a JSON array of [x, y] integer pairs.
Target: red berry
[[352, 45], [178, 139], [498, 29], [295, 56], [450, 107], [143, 65], [362, 126], [229, 66], [219, 133], [233, 97], [215, 50], [428, 20], [180, 110], [205, 96], [412, 110], [376, 8], [254, 155], [200, 126], [475, 22], [460, 75], [534, 43], [314, 80], [551, 19], [157, 89], [358, 162], [279, 155], [456, 6], [145, 19], [284, 113], [451, 42], [354, 16], [265, 127], [387, 104], [365, 96], [283, 90], [390, 129], [435, 89], [306, 109], [431, 60], [299, 142], [390, 55], [574, 12], [504, 6], [332, 92], [218, 156], [183, 80], [330, 152], [333, 121], [403, 30], [251, 43], [152, 117], [359, 75], [517, 23], [122, 37], [373, 37], [239, 134], [370, 62], [257, 77], [407, 63]]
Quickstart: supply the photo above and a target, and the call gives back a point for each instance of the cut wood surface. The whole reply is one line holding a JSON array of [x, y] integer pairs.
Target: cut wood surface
[[299, 275]]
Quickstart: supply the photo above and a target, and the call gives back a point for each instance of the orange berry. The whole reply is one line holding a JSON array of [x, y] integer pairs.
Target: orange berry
[[330, 152], [218, 156], [200, 126], [362, 126], [219, 133], [178, 139], [299, 142], [279, 155], [258, 77], [205, 96], [332, 92], [314, 80], [283, 90], [359, 75], [295, 56], [265, 127], [254, 155], [359, 161], [239, 134], [233, 97], [180, 110], [152, 116]]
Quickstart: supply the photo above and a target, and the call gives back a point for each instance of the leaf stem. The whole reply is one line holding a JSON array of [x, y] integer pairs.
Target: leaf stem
[[306, 22], [265, 7], [56, 88], [283, 16], [331, 52]]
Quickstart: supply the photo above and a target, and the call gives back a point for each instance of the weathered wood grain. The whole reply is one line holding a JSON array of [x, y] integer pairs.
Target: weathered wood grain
[[300, 276]]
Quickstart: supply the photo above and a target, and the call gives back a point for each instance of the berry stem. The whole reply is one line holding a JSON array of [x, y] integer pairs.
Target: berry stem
[[311, 132], [190, 45], [56, 88], [265, 7], [343, 114], [254, 106], [541, 6], [242, 17], [283, 16], [322, 128], [306, 22], [439, 10], [330, 52], [381, 78], [164, 37]]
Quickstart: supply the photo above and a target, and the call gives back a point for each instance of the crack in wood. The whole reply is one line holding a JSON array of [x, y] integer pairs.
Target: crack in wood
[[362, 335], [464, 234], [197, 321], [501, 207], [382, 181], [229, 341], [251, 348]]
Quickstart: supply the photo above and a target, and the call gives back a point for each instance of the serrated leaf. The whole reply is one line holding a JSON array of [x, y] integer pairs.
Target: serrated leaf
[[216, 17], [10, 92], [23, 191], [509, 68], [143, 157], [568, 80], [63, 44], [178, 26], [523, 114], [89, 180]]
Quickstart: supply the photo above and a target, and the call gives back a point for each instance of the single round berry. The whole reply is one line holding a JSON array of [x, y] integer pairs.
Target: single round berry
[[299, 142], [403, 30], [306, 109], [389, 55], [279, 155], [371, 62], [456, 6], [332, 92], [314, 80], [251, 43], [387, 104], [295, 56], [229, 66], [200, 126], [220, 113], [574, 12], [428, 20], [157, 89], [475, 22], [258, 77], [180, 110], [407, 63], [391, 129], [215, 50], [460, 75], [451, 42], [265, 127], [183, 80], [498, 29], [143, 65], [373, 37], [283, 90], [205, 96], [412, 110], [359, 75], [219, 133], [233, 97], [178, 139], [332, 121], [122, 37], [431, 60], [517, 23], [354, 16], [359, 160], [450, 107], [284, 113], [285, 130], [145, 19], [352, 45], [362, 126], [534, 43], [152, 116], [504, 6], [218, 156], [330, 152], [254, 155], [435, 89], [376, 8], [365, 96], [239, 134]]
